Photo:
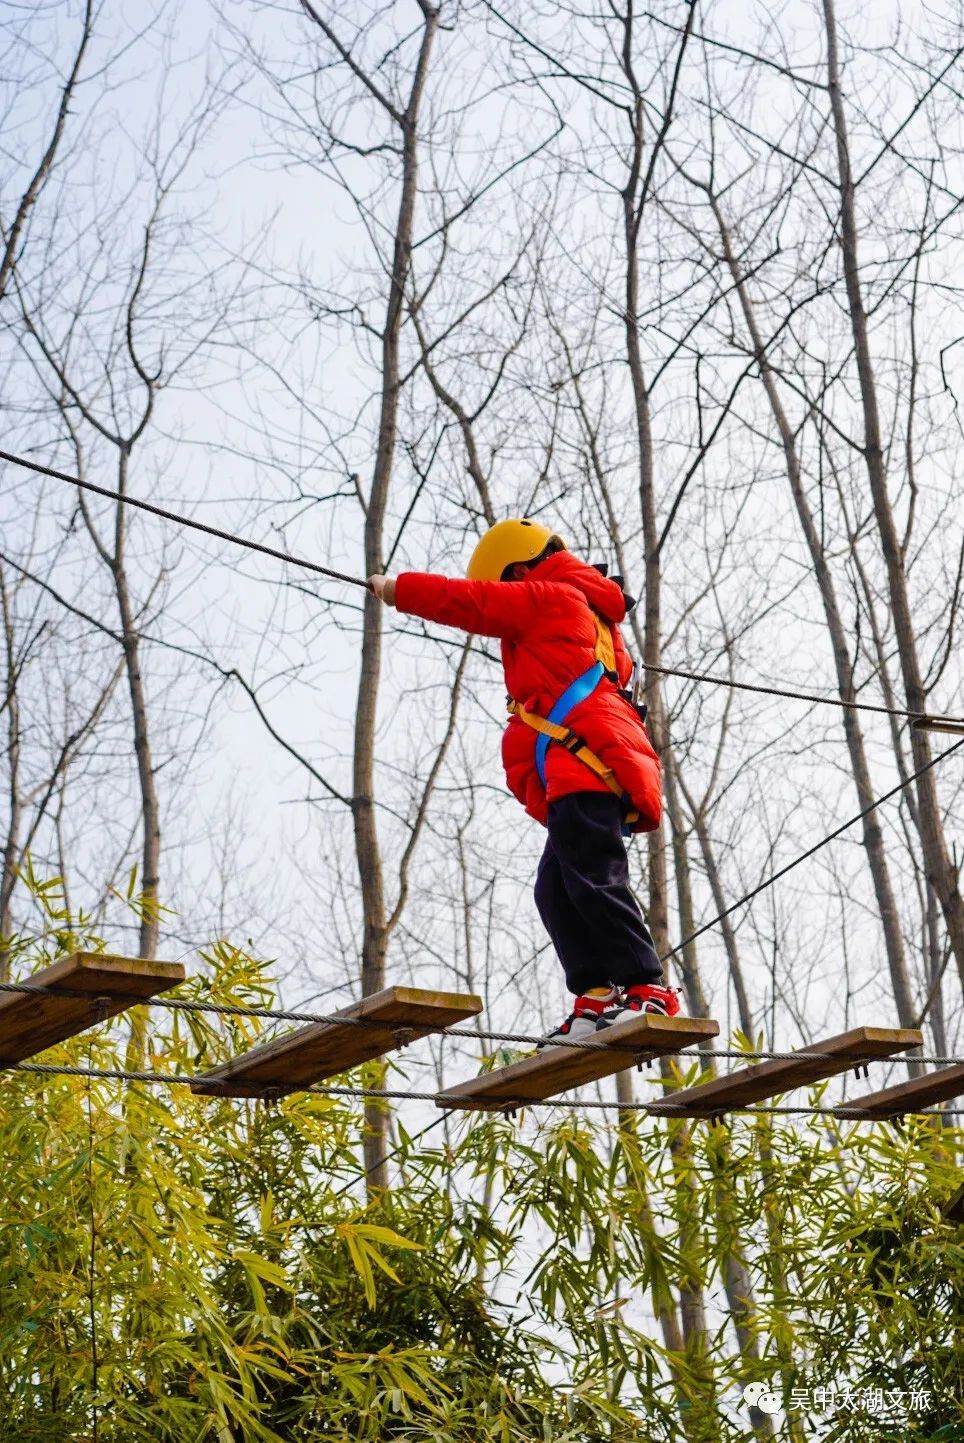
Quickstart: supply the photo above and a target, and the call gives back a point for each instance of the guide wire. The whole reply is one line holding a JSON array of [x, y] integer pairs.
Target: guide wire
[[181, 520], [936, 722], [475, 1034], [811, 851], [281, 1014]]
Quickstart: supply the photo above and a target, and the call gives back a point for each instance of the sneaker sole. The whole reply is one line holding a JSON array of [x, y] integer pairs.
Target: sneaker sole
[[564, 1037], [603, 1024]]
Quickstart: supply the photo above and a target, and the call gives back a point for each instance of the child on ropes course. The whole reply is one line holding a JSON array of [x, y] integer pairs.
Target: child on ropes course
[[575, 752]]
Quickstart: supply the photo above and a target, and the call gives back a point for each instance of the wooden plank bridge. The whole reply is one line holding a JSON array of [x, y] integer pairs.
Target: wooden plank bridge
[[762, 1080], [86, 988], [904, 1097]]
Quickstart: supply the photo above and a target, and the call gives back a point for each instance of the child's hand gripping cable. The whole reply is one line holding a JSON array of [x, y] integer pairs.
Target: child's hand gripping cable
[[383, 587]]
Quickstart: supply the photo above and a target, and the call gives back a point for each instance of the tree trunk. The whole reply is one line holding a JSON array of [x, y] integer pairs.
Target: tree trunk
[[692, 1309], [689, 969], [783, 1297], [11, 705], [935, 968], [658, 913], [939, 867], [150, 811], [692, 1334], [14, 234], [873, 837], [737, 1281], [664, 1307], [708, 854], [367, 850]]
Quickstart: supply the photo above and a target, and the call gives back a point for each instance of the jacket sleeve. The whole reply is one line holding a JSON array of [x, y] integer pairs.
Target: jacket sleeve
[[486, 608]]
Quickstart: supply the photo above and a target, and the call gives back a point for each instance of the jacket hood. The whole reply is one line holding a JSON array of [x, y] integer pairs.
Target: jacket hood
[[602, 593]]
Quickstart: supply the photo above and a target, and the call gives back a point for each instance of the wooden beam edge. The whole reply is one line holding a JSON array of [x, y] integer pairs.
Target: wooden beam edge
[[475, 1093], [395, 1034], [888, 1101], [59, 981], [708, 1099], [469, 1004]]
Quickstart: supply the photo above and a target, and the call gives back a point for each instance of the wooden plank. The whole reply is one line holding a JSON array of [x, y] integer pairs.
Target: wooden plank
[[297, 1059], [768, 1079], [32, 1022], [559, 1069], [908, 1096]]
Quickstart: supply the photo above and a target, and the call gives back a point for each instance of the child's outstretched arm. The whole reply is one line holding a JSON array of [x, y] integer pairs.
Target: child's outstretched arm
[[486, 608]]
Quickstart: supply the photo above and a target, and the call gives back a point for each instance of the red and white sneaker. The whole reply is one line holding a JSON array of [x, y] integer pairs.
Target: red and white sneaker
[[644, 997], [582, 1021]]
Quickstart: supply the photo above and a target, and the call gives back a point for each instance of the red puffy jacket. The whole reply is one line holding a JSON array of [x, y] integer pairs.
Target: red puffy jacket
[[548, 634]]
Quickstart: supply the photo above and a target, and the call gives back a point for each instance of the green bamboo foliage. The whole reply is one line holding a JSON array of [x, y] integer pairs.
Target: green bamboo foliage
[[175, 1268]]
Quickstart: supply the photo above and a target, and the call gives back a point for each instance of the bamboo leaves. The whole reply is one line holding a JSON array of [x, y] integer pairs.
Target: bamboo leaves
[[361, 1240], [240, 1294]]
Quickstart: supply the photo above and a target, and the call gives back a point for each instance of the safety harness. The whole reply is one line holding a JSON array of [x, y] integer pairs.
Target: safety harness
[[552, 728]]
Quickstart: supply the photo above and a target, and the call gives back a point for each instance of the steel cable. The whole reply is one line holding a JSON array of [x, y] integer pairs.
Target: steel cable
[[123, 1074], [473, 1034], [290, 559]]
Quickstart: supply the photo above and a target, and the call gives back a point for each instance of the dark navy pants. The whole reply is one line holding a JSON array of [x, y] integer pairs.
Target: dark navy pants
[[584, 899]]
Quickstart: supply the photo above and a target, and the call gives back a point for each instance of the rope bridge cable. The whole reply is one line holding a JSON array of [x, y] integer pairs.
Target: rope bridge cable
[[281, 1014], [477, 1034], [174, 1079], [284, 1015], [180, 520]]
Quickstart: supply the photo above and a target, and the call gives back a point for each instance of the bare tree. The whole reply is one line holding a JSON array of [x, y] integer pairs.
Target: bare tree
[[942, 873], [34, 785], [13, 230], [122, 425], [844, 661]]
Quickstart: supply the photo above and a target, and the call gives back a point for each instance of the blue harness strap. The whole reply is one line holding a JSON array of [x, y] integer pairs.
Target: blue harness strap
[[574, 693]]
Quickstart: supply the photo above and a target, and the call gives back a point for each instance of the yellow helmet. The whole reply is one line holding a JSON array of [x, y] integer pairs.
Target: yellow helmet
[[507, 542]]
